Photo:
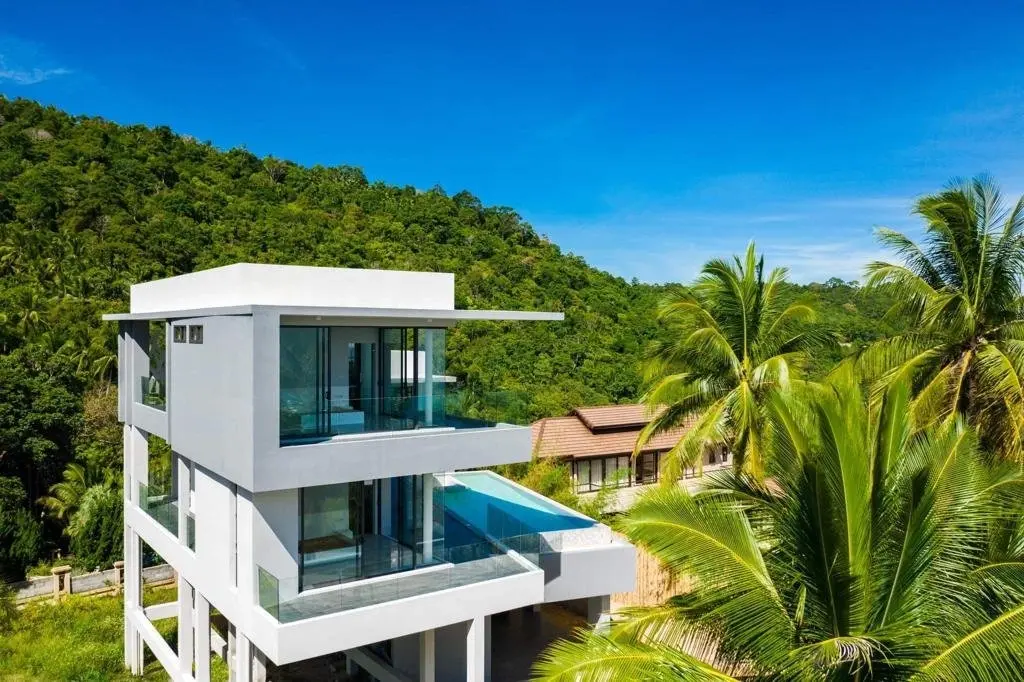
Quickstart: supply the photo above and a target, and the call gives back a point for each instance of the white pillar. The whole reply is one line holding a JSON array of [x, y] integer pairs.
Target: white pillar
[[476, 652], [186, 629], [428, 376], [259, 665], [427, 656], [599, 611], [133, 653], [202, 630], [428, 518], [230, 654], [242, 663]]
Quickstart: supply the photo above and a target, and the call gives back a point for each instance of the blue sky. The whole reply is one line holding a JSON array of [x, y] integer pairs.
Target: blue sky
[[645, 137]]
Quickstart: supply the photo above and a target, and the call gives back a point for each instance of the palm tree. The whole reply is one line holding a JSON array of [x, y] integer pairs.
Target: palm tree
[[66, 496], [961, 289], [734, 339], [876, 553]]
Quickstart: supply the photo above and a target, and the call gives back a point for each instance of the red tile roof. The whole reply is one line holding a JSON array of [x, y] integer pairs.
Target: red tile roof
[[598, 431]]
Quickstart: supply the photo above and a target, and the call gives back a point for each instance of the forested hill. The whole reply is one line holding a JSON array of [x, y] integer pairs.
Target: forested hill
[[88, 207]]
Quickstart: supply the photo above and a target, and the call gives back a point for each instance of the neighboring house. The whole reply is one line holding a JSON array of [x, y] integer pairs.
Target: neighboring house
[[293, 450], [598, 442]]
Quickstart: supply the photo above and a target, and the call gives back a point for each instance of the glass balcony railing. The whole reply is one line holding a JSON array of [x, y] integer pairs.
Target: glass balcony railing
[[457, 567], [153, 393], [304, 418], [162, 508]]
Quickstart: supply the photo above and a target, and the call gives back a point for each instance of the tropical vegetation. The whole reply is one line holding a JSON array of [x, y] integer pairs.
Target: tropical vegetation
[[960, 289], [734, 340], [88, 207], [875, 551]]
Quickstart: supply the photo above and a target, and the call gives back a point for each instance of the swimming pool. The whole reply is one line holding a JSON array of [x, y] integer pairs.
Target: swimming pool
[[503, 509]]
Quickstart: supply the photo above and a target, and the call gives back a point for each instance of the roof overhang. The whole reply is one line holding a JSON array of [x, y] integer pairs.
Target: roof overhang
[[349, 316]]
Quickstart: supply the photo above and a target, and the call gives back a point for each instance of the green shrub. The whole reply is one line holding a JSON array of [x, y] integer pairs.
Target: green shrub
[[98, 540]]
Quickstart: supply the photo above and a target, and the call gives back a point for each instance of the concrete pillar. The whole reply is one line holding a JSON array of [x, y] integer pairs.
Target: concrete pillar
[[133, 658], [202, 633], [259, 665], [241, 663], [427, 653], [351, 667], [230, 654], [428, 518], [599, 611], [476, 650], [186, 627]]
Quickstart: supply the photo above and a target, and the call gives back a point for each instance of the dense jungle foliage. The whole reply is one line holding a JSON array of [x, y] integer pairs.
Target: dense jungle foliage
[[88, 207]]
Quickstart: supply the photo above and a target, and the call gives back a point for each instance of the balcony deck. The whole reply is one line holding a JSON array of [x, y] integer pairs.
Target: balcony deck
[[322, 602]]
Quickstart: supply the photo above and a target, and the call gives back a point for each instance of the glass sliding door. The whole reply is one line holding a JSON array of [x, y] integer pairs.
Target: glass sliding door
[[352, 531]]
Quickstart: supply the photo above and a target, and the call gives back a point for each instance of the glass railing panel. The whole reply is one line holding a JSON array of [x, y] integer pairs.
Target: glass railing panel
[[162, 508], [464, 565], [304, 420], [153, 393], [268, 591]]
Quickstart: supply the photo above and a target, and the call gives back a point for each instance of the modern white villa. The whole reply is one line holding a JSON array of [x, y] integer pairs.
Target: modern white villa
[[295, 449]]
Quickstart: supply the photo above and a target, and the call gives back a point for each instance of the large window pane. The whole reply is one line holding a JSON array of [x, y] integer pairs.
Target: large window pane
[[302, 386]]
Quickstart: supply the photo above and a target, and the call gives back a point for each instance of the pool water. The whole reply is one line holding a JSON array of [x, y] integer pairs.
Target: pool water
[[503, 509]]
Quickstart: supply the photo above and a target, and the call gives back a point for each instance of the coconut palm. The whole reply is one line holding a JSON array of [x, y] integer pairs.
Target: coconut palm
[[733, 340], [65, 497], [961, 289], [876, 553]]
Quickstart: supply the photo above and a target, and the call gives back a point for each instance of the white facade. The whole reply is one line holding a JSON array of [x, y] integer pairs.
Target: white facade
[[292, 443]]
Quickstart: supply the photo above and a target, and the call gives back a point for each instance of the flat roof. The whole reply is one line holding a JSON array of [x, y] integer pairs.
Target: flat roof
[[379, 314]]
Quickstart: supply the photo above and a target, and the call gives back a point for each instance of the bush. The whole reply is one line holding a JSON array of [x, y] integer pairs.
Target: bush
[[21, 534], [98, 538]]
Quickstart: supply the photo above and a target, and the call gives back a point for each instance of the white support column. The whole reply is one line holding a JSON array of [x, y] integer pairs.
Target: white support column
[[259, 665], [186, 629], [133, 653], [230, 654], [241, 663], [428, 518], [202, 630], [427, 654], [476, 652], [599, 611]]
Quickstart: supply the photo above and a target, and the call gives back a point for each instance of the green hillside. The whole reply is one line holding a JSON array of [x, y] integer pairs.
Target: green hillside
[[88, 207]]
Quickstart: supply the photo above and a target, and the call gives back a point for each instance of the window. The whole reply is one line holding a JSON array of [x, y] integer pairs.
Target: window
[[179, 333], [647, 468], [195, 333]]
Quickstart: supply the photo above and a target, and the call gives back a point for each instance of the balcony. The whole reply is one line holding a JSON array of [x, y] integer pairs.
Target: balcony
[[457, 567], [304, 420], [162, 508]]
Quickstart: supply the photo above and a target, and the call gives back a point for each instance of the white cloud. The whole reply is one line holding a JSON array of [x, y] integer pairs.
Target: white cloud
[[815, 238], [28, 76], [26, 63]]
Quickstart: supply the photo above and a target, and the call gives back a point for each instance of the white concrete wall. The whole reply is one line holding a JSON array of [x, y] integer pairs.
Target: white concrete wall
[[275, 537], [211, 397], [589, 571], [214, 549], [293, 285]]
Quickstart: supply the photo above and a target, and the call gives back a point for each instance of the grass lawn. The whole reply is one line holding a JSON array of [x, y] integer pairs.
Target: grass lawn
[[81, 639]]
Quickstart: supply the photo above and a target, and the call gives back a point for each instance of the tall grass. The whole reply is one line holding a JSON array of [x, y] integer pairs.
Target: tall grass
[[81, 640]]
